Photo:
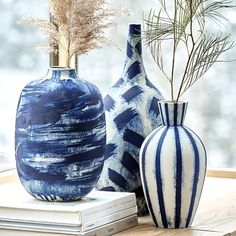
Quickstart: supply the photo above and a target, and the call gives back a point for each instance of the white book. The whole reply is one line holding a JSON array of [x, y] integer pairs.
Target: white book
[[104, 230], [84, 227], [17, 205]]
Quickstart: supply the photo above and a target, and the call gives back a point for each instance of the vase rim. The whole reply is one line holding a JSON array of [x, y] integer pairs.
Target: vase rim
[[172, 102], [135, 24], [61, 68]]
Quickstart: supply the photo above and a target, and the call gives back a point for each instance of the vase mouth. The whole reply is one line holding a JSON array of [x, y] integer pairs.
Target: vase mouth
[[61, 68], [61, 72], [135, 25], [172, 102]]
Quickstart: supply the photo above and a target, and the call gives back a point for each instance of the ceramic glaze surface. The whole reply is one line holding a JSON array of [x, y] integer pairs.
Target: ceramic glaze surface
[[131, 114], [60, 136], [173, 166]]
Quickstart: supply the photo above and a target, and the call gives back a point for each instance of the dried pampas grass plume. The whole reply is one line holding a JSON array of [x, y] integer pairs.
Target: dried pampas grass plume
[[76, 26]]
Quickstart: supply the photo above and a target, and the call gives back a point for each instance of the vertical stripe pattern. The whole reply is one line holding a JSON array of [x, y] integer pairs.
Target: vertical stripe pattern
[[159, 179], [172, 114], [143, 172], [172, 185], [178, 197], [196, 175]]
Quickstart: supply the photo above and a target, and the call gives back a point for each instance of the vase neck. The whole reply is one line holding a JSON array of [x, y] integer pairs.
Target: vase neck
[[172, 113], [59, 60], [59, 56], [133, 62], [61, 73]]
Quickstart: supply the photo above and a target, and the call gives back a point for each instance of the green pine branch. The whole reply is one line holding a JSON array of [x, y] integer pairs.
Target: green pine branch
[[187, 27]]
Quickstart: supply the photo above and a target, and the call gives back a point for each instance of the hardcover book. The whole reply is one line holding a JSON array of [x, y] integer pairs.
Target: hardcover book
[[59, 227], [105, 230], [17, 205]]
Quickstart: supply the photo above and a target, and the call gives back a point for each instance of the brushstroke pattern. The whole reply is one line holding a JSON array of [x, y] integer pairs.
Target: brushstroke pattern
[[133, 116], [132, 93], [60, 136], [130, 163], [110, 103]]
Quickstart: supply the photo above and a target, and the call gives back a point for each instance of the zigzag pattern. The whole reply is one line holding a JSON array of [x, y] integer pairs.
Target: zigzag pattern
[[131, 114]]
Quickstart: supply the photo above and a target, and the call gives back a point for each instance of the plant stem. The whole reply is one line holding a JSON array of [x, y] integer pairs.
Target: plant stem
[[68, 49], [190, 55], [173, 55], [69, 39]]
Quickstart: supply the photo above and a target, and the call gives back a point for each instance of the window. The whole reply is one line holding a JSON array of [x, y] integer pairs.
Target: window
[[19, 63], [212, 101]]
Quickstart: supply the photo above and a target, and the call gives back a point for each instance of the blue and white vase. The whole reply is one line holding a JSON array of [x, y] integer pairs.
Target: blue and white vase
[[173, 166], [131, 107], [60, 136]]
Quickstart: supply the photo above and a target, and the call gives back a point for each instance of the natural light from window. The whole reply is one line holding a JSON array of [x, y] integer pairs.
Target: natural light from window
[[211, 102]]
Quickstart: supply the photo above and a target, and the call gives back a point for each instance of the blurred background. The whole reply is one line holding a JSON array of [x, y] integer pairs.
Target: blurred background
[[212, 101]]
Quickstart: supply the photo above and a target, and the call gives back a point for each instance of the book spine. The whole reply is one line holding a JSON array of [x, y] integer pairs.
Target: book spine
[[105, 209], [40, 217], [114, 227], [108, 219], [15, 232], [74, 218], [106, 230]]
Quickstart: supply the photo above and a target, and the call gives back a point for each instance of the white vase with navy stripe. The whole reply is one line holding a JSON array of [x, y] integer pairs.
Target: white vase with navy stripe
[[173, 166], [60, 136], [131, 107]]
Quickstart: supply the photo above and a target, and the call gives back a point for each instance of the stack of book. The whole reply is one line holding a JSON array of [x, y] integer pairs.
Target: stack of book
[[97, 214]]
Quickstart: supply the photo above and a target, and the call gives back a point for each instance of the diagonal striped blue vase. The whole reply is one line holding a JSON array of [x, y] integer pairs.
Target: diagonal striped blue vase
[[60, 136], [131, 107], [173, 166]]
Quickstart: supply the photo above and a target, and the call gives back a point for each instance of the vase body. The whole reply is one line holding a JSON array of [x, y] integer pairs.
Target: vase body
[[173, 166], [60, 136], [131, 114]]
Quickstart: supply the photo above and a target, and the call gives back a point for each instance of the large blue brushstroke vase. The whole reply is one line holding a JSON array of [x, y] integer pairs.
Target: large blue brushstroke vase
[[173, 166], [60, 136], [131, 114]]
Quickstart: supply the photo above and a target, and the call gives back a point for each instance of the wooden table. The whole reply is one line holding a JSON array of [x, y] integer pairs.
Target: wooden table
[[216, 214]]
